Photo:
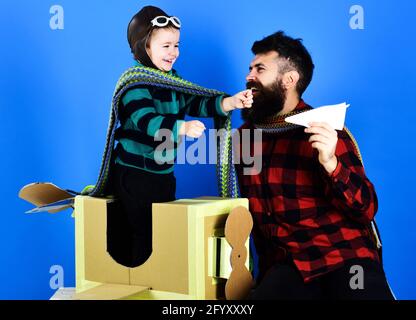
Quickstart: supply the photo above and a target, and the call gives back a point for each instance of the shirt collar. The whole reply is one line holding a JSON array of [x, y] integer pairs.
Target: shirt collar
[[301, 106]]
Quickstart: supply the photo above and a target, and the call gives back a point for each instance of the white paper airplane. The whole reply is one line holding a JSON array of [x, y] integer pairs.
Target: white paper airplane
[[334, 115]]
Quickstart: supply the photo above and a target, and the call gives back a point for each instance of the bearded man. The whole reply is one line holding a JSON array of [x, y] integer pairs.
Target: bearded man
[[312, 203]]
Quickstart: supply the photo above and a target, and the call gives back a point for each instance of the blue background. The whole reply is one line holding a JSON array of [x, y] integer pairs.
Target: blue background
[[56, 88]]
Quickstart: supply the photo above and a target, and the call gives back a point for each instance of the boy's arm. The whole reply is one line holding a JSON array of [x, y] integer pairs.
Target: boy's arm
[[197, 106], [203, 107]]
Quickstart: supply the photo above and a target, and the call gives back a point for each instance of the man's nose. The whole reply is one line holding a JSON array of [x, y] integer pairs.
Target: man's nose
[[250, 77]]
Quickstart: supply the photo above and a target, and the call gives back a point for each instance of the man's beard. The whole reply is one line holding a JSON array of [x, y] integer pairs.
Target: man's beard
[[267, 102]]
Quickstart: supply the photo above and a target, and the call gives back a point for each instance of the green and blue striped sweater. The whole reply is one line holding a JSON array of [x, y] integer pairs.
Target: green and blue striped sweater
[[144, 110]]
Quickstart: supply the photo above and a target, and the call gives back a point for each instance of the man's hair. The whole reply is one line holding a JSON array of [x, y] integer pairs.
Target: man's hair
[[293, 52]]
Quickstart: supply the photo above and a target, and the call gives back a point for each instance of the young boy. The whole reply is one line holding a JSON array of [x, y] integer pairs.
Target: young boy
[[138, 179]]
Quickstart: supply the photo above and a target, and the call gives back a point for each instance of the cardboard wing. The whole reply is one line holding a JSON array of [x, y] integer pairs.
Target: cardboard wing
[[46, 197], [54, 207], [334, 115]]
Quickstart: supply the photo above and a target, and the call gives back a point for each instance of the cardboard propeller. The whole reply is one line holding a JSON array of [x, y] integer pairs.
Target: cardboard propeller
[[237, 230]]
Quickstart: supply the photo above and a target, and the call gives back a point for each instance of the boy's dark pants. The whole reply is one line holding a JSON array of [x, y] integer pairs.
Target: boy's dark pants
[[129, 229]]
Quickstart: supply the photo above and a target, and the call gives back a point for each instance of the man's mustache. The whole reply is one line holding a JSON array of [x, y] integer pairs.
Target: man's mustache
[[254, 85]]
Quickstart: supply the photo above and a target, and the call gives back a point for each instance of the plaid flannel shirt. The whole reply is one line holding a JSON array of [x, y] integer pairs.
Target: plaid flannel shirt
[[302, 212]]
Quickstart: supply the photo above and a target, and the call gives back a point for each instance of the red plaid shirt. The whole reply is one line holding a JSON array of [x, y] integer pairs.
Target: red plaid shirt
[[300, 211]]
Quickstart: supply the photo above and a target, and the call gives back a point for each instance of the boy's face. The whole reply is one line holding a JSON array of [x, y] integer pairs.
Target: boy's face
[[163, 49]]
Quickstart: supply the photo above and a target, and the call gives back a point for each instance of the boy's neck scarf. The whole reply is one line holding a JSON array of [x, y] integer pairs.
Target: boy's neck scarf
[[141, 75]]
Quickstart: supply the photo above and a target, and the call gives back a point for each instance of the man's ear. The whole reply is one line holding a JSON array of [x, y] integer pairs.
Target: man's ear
[[290, 79]]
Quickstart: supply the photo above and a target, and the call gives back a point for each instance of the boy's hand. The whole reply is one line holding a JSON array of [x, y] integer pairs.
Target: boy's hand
[[243, 99], [193, 129]]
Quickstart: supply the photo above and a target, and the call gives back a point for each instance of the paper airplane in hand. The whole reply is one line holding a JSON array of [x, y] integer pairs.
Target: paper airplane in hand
[[334, 115]]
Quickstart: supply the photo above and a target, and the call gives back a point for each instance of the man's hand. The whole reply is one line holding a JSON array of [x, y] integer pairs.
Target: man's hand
[[243, 99], [193, 129], [324, 138]]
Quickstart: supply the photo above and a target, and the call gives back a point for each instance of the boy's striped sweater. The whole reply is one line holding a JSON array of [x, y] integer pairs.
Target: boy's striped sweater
[[146, 109]]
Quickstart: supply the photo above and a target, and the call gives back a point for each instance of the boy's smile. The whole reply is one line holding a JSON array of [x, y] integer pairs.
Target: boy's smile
[[169, 61]]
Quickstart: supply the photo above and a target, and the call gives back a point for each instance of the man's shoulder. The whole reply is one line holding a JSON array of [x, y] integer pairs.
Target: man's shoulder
[[346, 137], [237, 134]]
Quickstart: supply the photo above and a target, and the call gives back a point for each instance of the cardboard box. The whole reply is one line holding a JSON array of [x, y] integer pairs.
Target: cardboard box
[[199, 250], [182, 263]]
